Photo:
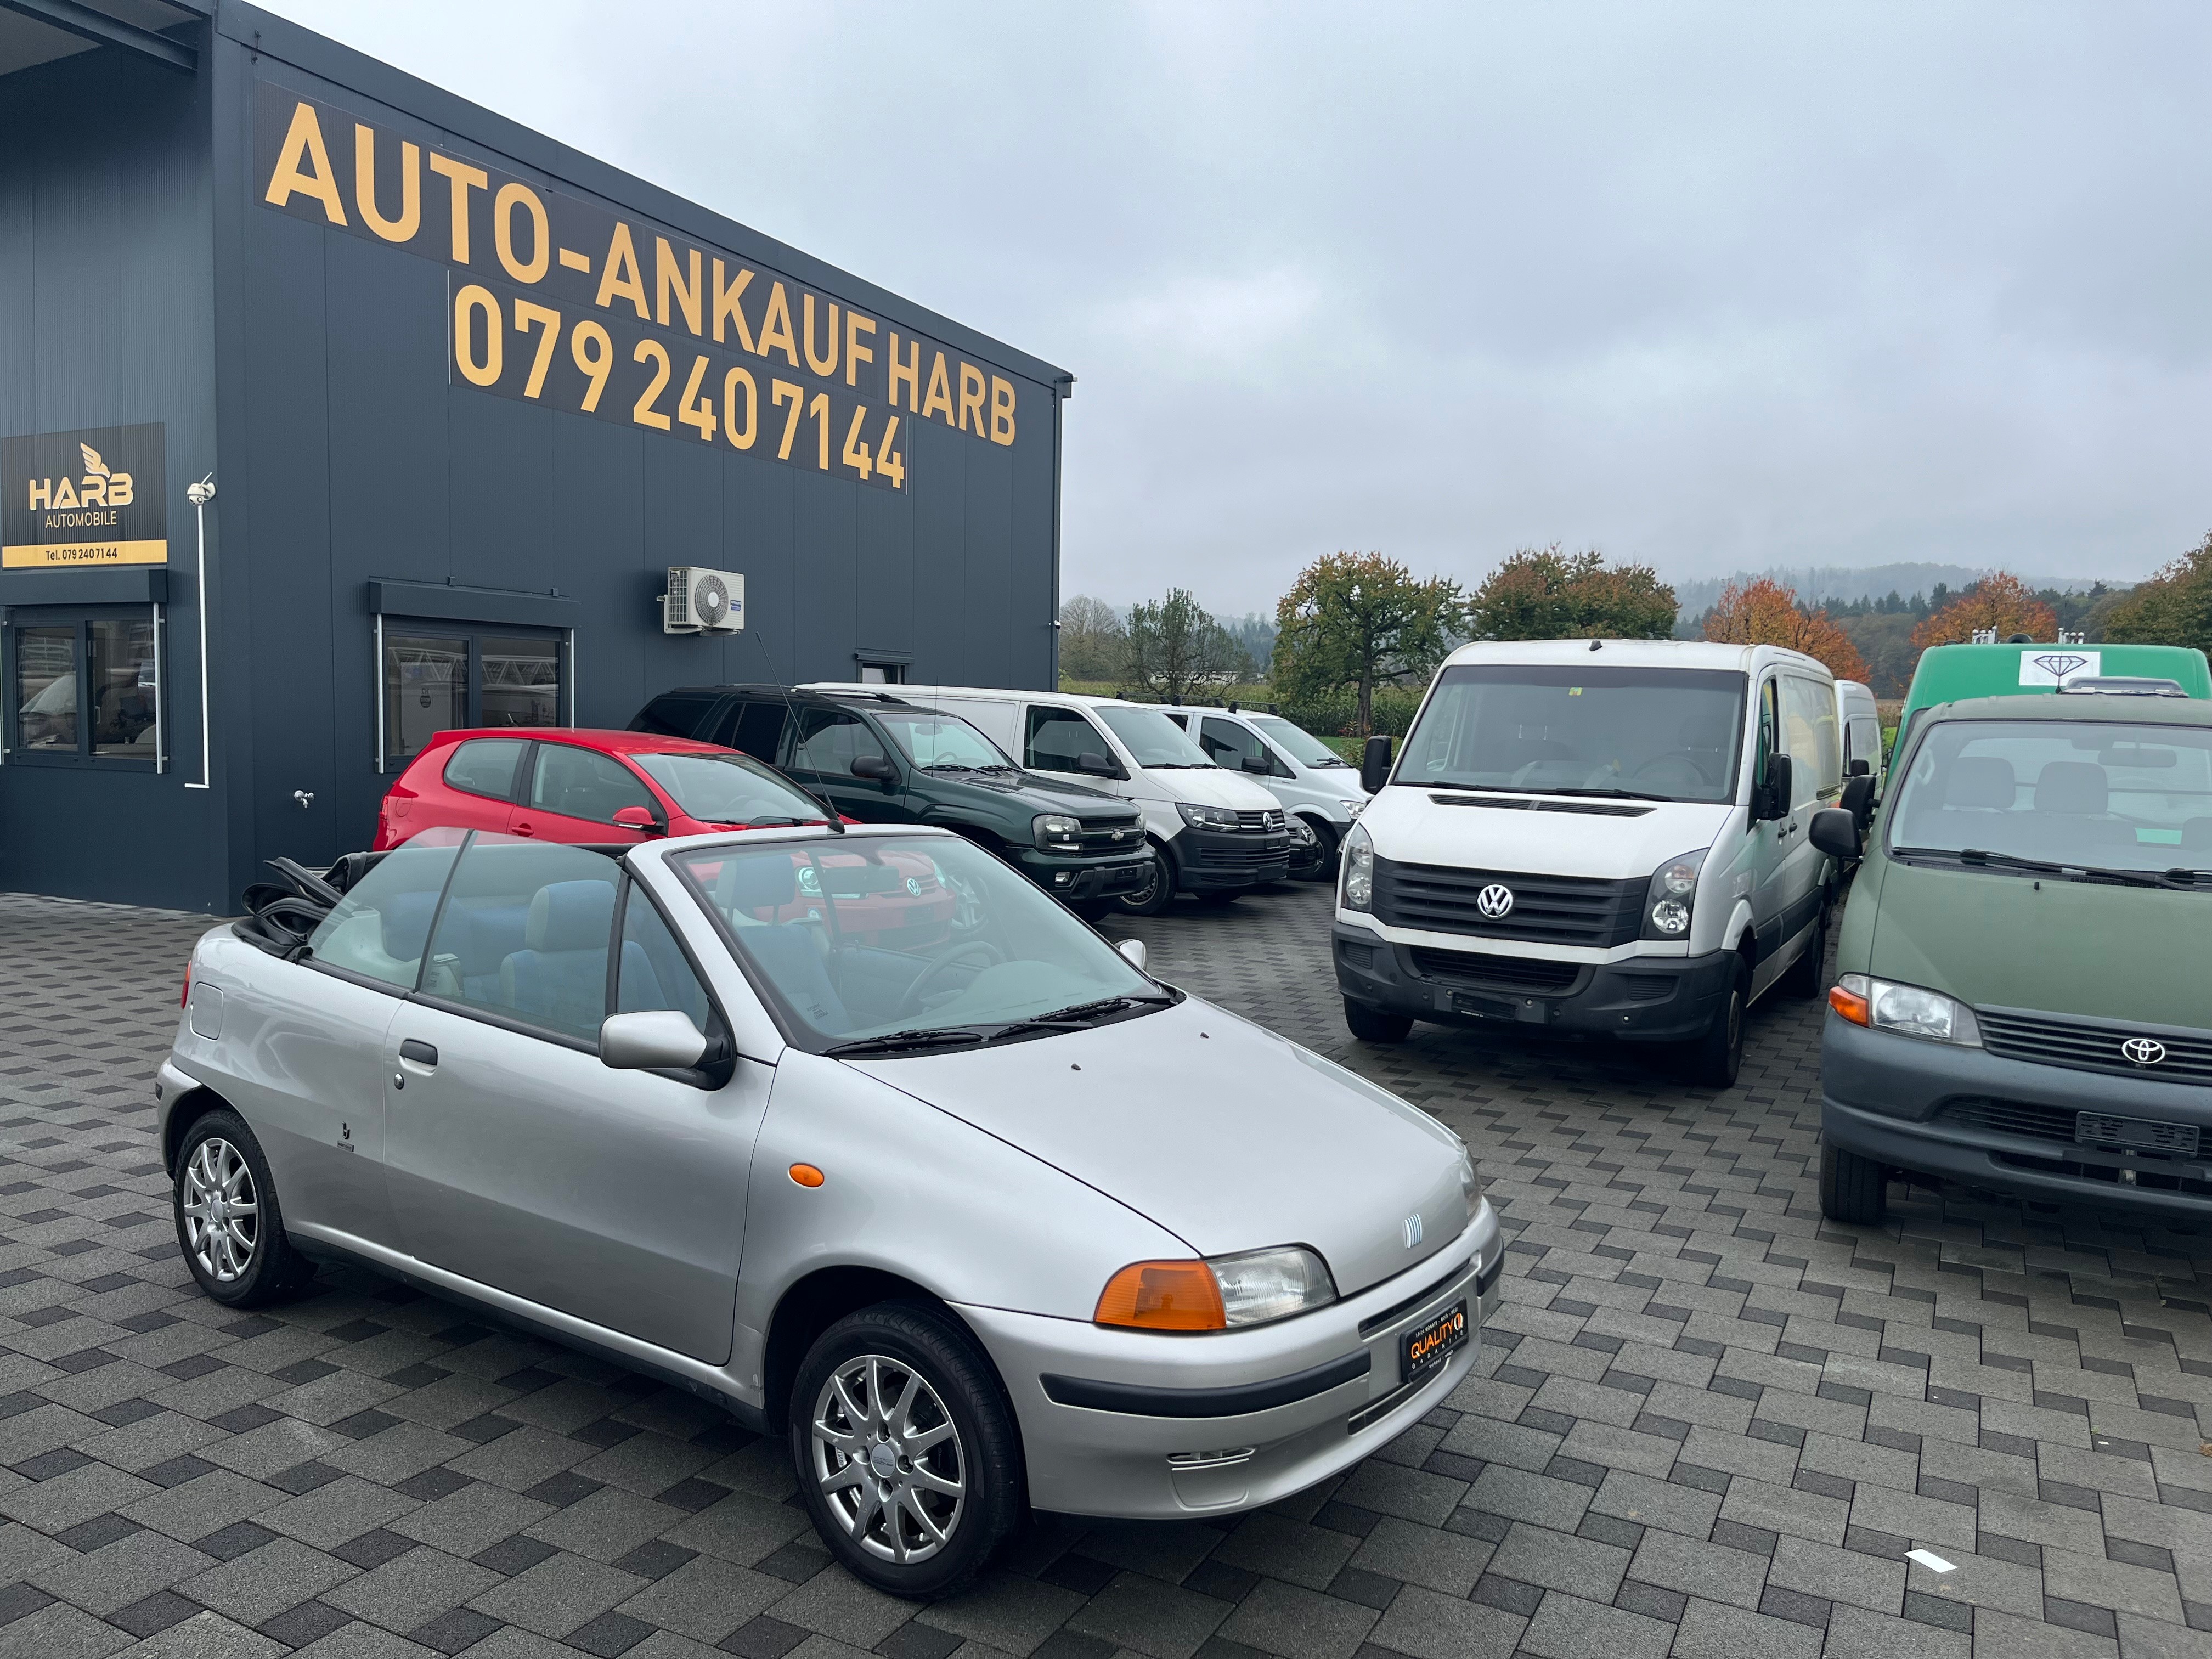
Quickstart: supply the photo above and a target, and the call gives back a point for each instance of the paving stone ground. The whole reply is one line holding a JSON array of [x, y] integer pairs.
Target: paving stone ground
[[1705, 1423]]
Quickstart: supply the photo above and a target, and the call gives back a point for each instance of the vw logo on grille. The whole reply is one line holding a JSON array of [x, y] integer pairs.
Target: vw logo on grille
[[2143, 1051], [1495, 901]]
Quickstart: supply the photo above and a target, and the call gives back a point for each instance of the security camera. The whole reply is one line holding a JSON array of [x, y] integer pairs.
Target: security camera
[[201, 493]]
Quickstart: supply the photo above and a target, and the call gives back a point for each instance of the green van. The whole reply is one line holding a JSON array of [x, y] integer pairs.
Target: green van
[[1949, 673], [2024, 997]]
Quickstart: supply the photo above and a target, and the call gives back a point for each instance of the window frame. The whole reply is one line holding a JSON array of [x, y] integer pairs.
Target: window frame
[[393, 625], [80, 619]]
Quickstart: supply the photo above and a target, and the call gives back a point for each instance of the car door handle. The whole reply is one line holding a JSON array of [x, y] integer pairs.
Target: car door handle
[[521, 830], [422, 1054]]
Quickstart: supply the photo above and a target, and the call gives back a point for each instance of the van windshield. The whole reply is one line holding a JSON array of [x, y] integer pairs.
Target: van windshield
[[2103, 795], [1300, 745], [1661, 733], [1151, 737]]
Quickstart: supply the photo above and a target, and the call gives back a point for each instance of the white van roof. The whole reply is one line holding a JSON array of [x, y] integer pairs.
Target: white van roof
[[999, 694], [1639, 653]]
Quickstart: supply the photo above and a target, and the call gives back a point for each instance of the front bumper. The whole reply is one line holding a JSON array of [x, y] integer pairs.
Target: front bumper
[[1229, 860], [1644, 999], [1921, 1106], [1080, 878], [1205, 1401]]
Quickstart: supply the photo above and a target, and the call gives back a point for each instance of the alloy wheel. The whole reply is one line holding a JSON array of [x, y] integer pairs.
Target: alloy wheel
[[222, 1210], [887, 1458]]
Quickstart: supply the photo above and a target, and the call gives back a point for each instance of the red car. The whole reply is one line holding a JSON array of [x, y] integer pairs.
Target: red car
[[567, 784]]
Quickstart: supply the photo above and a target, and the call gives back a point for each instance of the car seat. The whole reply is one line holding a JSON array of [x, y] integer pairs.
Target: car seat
[[560, 976], [788, 952], [1980, 783]]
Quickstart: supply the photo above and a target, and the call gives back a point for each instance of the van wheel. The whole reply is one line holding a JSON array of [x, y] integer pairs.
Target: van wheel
[[1157, 892], [1313, 849], [1854, 1190], [229, 1225], [906, 1453], [1373, 1026], [1716, 1057], [1808, 975]]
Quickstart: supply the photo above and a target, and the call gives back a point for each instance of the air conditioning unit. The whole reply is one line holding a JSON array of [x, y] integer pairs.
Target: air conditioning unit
[[702, 601]]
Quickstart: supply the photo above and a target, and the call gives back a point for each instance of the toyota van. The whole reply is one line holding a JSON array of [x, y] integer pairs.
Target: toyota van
[[1605, 837]]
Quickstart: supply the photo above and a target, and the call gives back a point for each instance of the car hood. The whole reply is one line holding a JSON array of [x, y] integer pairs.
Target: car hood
[[1411, 825], [1215, 786], [2088, 949], [1218, 1131], [1027, 788]]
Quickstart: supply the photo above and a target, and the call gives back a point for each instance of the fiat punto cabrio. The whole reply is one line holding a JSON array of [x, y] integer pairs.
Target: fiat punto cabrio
[[972, 1213]]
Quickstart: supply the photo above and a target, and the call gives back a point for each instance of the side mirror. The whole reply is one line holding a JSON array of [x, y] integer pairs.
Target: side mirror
[[664, 1040], [875, 767], [1096, 764], [1776, 803], [641, 818], [1254, 763], [1133, 950], [1374, 764], [1835, 830], [1858, 801]]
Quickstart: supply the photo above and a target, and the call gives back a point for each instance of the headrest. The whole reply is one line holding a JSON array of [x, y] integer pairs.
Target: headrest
[[2196, 836], [406, 920], [1983, 782], [2071, 786], [570, 916], [756, 881]]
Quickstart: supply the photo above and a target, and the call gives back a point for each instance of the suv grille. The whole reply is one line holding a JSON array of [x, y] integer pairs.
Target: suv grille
[[1264, 823], [1506, 973], [1102, 838], [2091, 1048], [1546, 910]]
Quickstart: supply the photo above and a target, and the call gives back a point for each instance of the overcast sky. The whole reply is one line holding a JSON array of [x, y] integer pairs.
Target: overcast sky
[[1709, 286]]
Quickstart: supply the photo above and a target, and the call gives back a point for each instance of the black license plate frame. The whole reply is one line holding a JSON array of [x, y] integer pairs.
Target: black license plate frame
[[1426, 1348]]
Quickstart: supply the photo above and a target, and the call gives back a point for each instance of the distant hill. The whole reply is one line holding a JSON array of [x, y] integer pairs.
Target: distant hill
[[1817, 584]]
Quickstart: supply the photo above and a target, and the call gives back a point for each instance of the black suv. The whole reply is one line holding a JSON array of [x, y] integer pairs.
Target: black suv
[[880, 759]]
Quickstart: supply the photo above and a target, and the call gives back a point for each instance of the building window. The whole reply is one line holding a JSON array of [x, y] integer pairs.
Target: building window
[[84, 689], [883, 673], [439, 677]]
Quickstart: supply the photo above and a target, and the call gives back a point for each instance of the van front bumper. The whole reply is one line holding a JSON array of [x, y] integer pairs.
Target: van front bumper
[[1142, 1425], [1643, 999], [1229, 860], [1928, 1108]]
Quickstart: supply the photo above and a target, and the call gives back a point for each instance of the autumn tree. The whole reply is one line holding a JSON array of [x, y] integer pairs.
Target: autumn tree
[[1543, 593], [2174, 607], [1355, 621], [1093, 643], [1174, 643], [1765, 612], [2000, 603]]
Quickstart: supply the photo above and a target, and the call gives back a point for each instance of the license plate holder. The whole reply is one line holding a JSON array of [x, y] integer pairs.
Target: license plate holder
[[1424, 1349]]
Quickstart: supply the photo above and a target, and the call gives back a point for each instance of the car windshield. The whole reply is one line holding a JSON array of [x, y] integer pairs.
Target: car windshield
[[1151, 737], [1300, 745], [1667, 734], [726, 788], [946, 740], [918, 940], [2108, 795]]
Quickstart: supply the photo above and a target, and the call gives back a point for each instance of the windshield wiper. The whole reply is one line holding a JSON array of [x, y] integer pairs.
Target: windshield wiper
[[761, 824], [900, 1042], [1532, 789], [1978, 857], [1080, 1015]]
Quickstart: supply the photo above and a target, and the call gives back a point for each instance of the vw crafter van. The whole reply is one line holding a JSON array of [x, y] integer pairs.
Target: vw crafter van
[[1606, 837]]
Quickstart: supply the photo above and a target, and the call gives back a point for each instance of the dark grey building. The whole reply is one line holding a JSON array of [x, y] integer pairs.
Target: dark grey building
[[456, 399]]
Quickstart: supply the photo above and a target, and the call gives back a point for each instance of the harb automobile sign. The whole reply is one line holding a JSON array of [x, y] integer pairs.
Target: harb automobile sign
[[73, 499]]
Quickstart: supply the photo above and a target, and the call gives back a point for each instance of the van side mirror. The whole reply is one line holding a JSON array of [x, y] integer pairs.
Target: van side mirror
[[1254, 763], [1858, 801], [1779, 788], [1097, 765], [662, 1040], [873, 766], [1835, 830], [1375, 763]]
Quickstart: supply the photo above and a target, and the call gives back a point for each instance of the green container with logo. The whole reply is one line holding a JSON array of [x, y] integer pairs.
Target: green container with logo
[[1951, 673]]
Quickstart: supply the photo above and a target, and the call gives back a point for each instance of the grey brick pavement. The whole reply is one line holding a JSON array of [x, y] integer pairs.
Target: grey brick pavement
[[1706, 1422]]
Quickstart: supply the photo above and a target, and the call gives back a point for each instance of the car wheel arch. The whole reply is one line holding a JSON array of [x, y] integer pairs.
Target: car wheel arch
[[190, 1106], [811, 1305]]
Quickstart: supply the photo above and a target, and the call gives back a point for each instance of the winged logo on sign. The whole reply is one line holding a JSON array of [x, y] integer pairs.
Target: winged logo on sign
[[1495, 901], [92, 465]]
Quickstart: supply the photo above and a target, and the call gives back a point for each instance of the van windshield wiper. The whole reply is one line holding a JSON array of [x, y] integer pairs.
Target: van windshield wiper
[[1532, 789], [896, 1042], [1978, 857]]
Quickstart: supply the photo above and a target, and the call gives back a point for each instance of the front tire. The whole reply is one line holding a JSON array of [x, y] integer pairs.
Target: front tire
[[1716, 1057], [905, 1452], [229, 1225], [1313, 854], [1374, 1024], [1854, 1190], [1156, 895]]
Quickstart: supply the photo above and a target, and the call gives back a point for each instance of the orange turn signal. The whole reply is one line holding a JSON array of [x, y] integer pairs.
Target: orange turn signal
[[807, 1175], [1163, 1296], [1851, 1006]]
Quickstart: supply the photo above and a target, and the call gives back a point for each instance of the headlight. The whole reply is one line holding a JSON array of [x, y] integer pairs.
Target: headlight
[[1207, 818], [1351, 807], [1357, 890], [1907, 1010], [1672, 896], [1056, 833], [1470, 1179], [1229, 1291]]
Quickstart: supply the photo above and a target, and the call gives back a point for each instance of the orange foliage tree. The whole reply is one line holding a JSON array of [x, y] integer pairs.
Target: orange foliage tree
[[2000, 601], [1764, 612]]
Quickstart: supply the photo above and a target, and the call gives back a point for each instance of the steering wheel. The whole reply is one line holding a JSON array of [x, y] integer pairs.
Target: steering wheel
[[991, 955], [1685, 769]]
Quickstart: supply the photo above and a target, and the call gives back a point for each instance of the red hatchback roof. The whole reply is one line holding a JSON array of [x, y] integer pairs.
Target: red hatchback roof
[[605, 740]]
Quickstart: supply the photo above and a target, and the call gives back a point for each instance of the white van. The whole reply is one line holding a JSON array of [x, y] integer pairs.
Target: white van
[[1319, 788], [1597, 837], [1214, 833], [1860, 721]]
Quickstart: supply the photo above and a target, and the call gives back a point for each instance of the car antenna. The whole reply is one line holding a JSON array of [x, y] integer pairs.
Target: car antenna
[[1597, 645], [833, 819]]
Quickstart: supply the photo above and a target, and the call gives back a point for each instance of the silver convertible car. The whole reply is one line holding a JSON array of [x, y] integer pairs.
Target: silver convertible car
[[854, 1131]]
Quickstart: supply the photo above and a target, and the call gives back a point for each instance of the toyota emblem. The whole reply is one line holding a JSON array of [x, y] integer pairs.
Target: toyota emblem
[[1495, 901], [2143, 1051]]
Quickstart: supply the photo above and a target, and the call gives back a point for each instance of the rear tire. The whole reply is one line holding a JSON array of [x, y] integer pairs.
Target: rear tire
[[1156, 895], [938, 1442], [1373, 1024], [1807, 978], [229, 1227], [1854, 1190], [1715, 1059]]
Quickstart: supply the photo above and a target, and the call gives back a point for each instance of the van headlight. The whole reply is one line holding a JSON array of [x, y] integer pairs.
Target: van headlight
[[1672, 896], [1881, 1004], [1207, 818], [1356, 888], [1056, 834]]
